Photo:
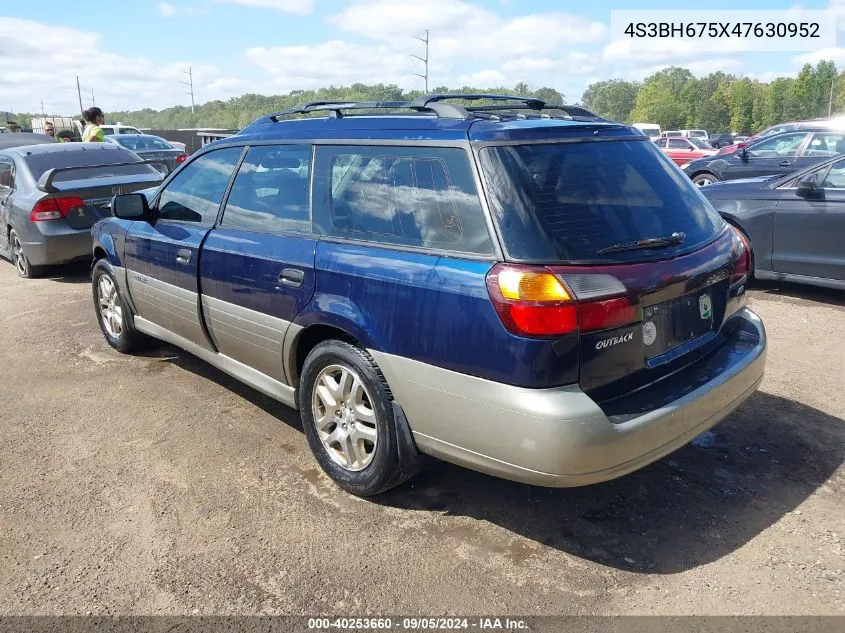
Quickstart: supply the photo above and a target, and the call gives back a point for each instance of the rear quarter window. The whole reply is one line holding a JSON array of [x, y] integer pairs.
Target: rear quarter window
[[409, 196], [565, 202]]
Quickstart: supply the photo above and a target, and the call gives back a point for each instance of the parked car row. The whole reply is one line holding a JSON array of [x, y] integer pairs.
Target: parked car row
[[540, 294]]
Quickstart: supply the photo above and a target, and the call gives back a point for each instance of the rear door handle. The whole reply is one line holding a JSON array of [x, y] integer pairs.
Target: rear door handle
[[292, 277], [183, 256]]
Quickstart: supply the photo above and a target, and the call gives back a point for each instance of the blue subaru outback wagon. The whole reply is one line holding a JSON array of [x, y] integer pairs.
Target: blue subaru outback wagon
[[524, 289]]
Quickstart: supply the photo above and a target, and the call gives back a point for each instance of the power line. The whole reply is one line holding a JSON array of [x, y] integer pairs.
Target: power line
[[424, 60], [190, 84]]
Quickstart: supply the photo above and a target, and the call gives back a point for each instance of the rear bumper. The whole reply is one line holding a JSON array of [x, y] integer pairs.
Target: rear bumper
[[560, 437], [56, 245]]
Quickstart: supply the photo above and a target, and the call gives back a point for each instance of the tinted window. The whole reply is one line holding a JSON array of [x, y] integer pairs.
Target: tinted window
[[107, 131], [678, 143], [411, 196], [835, 178], [136, 142], [86, 155], [565, 202], [785, 145], [195, 193], [700, 144], [826, 144], [660, 142], [270, 192], [7, 173]]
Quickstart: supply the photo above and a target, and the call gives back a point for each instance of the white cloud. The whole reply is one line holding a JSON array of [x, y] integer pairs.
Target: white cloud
[[297, 7], [335, 62], [461, 30], [39, 61], [814, 57], [166, 10]]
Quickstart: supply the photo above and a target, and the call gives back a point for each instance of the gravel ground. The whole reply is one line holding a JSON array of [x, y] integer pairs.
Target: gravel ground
[[157, 485]]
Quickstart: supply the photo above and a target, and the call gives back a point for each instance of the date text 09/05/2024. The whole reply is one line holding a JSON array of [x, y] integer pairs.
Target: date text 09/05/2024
[[418, 624], [722, 29]]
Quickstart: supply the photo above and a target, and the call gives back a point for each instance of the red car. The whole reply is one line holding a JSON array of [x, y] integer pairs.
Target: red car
[[683, 149]]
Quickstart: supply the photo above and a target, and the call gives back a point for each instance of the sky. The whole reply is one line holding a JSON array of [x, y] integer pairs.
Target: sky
[[136, 53]]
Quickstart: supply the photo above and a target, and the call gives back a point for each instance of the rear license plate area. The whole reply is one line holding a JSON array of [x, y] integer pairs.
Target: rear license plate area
[[673, 323]]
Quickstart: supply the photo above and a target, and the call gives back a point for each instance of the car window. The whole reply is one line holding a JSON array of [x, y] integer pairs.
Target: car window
[[270, 192], [128, 130], [195, 193], [411, 196], [107, 131], [138, 142], [7, 173], [835, 178], [700, 143], [661, 143], [678, 143], [568, 202], [826, 144], [785, 145]]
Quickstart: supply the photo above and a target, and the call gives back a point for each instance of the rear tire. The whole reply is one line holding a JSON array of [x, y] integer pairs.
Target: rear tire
[[348, 417], [19, 259], [113, 313], [704, 178]]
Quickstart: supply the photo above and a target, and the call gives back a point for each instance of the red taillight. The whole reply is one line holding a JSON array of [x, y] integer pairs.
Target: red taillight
[[54, 208], [546, 302], [181, 158], [743, 264]]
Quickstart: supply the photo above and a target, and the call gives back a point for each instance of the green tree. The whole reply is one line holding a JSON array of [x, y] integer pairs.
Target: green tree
[[613, 99]]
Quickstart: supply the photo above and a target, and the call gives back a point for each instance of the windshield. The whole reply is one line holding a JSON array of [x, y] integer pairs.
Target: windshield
[[567, 201], [82, 157], [699, 143], [139, 143]]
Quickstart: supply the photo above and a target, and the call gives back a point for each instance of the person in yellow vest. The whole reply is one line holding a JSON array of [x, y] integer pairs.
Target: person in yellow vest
[[93, 133]]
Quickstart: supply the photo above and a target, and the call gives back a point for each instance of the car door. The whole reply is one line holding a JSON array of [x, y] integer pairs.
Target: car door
[[679, 150], [821, 146], [162, 257], [768, 156], [7, 184], [257, 265], [809, 231]]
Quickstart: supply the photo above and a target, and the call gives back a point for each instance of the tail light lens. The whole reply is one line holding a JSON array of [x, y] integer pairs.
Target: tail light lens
[[542, 302], [54, 208], [743, 264], [181, 158]]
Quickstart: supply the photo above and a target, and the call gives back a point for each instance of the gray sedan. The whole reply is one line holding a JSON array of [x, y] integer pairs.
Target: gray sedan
[[52, 194], [795, 223], [150, 147]]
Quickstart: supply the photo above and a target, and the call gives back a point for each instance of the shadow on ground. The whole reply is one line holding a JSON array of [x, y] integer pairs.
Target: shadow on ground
[[75, 273], [689, 509], [799, 292]]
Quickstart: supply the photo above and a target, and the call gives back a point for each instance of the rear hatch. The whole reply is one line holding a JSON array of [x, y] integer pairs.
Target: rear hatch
[[647, 269], [83, 183]]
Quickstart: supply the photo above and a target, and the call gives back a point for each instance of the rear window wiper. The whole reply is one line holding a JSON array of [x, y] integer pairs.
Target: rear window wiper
[[651, 242]]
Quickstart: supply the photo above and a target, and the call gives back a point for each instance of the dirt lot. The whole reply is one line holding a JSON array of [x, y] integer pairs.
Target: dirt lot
[[156, 484]]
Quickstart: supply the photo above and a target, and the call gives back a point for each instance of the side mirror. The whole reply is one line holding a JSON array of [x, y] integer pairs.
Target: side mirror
[[131, 206], [807, 186]]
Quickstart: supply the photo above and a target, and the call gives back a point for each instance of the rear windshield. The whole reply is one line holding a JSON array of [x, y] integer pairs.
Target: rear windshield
[[568, 201], [138, 143], [86, 157]]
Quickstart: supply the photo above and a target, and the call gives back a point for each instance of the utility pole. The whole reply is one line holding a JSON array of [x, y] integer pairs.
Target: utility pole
[[91, 90], [42, 108], [190, 84], [424, 60], [79, 94]]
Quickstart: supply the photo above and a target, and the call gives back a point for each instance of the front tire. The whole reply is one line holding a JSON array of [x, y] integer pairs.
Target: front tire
[[112, 311], [348, 417], [704, 179], [19, 259]]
